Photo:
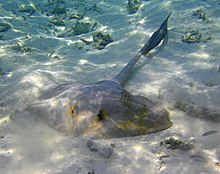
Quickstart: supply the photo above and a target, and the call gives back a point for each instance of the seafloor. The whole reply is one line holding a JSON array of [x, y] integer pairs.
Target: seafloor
[[44, 43]]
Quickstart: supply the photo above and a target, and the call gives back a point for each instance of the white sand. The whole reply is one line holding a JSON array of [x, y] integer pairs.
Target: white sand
[[185, 77]]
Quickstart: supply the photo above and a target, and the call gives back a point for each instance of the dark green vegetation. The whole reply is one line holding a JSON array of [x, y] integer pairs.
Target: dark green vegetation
[[4, 26], [133, 6], [200, 14], [100, 40], [61, 22], [78, 28], [194, 36]]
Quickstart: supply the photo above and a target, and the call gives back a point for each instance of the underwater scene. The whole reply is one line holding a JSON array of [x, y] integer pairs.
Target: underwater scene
[[109, 87]]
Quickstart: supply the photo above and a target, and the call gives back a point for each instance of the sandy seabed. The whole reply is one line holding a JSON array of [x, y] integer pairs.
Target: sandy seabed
[[39, 51]]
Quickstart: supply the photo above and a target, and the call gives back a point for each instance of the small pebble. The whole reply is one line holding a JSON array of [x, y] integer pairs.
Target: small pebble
[[198, 158], [173, 143], [105, 150], [209, 133]]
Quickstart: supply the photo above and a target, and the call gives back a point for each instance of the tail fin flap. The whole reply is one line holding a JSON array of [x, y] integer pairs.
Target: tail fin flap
[[156, 38]]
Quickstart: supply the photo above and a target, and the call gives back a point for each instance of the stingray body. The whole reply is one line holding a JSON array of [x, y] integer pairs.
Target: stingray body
[[104, 109]]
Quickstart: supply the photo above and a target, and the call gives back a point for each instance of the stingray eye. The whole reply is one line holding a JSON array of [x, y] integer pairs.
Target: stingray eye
[[73, 110], [102, 115]]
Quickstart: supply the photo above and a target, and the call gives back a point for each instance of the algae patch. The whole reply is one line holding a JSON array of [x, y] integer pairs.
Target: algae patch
[[79, 27], [175, 143], [4, 26], [100, 40], [27, 9], [200, 14], [194, 36], [133, 6]]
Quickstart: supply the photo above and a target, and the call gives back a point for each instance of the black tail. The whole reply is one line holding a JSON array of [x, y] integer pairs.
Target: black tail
[[156, 38]]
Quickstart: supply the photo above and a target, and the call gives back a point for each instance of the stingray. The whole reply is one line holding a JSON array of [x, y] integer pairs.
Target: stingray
[[105, 109]]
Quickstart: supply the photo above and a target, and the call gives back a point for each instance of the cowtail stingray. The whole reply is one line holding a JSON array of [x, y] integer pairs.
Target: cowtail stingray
[[104, 109]]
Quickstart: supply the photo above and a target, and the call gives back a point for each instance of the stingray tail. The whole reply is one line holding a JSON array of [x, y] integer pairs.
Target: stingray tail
[[154, 40]]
